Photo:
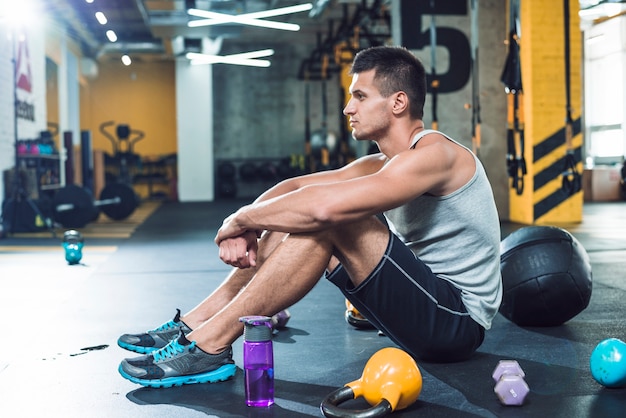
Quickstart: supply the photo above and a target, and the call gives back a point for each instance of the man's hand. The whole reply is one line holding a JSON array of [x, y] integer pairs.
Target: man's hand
[[240, 251]]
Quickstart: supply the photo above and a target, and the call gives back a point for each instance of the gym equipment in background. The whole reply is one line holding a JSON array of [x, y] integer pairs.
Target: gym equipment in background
[[323, 142], [124, 157], [476, 138], [74, 206], [14, 207], [390, 381], [248, 171], [225, 180], [512, 79], [546, 276], [571, 179], [434, 80]]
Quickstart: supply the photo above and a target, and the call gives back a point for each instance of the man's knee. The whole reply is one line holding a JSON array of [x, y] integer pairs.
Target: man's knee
[[367, 226], [268, 243]]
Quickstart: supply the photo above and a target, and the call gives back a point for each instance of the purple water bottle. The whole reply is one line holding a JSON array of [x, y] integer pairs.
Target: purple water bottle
[[258, 360]]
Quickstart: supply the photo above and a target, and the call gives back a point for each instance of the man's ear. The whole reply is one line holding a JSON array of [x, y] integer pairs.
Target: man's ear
[[400, 102]]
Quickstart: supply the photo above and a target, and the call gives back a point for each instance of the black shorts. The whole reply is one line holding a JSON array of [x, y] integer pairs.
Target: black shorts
[[417, 310]]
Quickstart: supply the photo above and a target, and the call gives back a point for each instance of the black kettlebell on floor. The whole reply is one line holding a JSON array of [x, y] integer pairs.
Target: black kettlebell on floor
[[391, 381]]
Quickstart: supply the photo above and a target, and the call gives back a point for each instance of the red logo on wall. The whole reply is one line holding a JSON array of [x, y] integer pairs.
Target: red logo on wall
[[22, 67]]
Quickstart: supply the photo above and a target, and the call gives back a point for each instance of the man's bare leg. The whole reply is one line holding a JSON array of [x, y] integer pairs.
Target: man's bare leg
[[232, 285], [290, 272]]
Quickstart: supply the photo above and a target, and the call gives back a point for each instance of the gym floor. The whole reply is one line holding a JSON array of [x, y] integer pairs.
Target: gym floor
[[59, 355]]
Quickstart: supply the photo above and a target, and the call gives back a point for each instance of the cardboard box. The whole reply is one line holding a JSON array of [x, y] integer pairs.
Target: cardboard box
[[602, 184]]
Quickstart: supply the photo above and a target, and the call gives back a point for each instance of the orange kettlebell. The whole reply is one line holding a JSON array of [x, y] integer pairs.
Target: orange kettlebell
[[390, 381]]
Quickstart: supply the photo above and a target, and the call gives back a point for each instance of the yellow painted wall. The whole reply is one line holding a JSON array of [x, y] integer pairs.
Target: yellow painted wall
[[141, 95], [543, 76]]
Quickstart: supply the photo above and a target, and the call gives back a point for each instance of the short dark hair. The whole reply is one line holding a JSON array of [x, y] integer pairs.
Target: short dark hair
[[397, 69]]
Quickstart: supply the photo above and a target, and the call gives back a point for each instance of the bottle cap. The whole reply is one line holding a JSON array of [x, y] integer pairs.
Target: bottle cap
[[257, 328]]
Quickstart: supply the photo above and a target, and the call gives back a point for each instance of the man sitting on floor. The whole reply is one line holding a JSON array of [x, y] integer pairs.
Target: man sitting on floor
[[430, 280]]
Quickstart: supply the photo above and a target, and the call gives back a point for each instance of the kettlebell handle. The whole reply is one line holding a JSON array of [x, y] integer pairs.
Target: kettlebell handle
[[330, 407]]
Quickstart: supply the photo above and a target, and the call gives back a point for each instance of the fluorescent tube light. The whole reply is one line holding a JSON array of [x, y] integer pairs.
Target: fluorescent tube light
[[253, 54], [213, 18], [268, 13], [253, 19], [101, 18], [245, 58], [111, 35]]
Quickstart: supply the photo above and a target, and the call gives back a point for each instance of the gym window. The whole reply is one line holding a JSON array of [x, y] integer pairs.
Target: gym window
[[604, 92]]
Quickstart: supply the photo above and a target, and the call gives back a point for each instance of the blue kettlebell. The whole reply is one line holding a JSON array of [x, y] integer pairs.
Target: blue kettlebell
[[73, 244], [608, 363]]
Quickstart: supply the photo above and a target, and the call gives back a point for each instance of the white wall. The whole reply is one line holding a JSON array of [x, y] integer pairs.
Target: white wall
[[69, 93], [30, 54], [194, 114], [6, 103]]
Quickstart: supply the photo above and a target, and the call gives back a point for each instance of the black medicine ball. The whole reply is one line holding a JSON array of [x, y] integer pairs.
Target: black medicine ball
[[546, 276]]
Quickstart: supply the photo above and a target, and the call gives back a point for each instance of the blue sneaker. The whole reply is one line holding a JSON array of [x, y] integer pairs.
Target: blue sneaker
[[179, 363], [155, 339]]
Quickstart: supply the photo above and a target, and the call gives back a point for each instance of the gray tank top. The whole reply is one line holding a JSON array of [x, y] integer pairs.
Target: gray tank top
[[458, 237]]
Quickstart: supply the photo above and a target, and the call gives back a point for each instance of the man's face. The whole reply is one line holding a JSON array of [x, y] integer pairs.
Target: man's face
[[368, 111]]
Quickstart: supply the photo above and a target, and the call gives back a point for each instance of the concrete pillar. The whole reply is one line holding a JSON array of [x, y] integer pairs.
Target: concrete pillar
[[542, 50], [194, 113]]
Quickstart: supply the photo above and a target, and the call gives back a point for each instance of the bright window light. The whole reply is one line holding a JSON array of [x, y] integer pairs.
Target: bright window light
[[126, 60], [102, 19], [19, 13], [111, 35]]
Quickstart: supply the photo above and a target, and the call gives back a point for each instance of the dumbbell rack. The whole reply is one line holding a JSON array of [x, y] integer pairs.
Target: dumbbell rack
[[47, 169]]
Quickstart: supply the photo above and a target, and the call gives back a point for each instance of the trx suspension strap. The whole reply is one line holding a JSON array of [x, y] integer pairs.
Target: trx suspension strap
[[325, 156], [512, 80], [571, 179], [434, 84], [475, 79], [307, 121]]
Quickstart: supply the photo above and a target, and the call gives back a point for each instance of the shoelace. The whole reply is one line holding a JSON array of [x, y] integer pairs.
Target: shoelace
[[171, 350], [167, 325]]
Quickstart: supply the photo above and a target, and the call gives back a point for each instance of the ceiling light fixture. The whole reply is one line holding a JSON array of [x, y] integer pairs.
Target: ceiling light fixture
[[244, 58], [101, 18], [111, 35], [213, 18], [252, 19]]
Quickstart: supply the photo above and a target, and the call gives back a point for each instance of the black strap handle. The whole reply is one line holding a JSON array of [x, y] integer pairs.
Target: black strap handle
[[571, 179]]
